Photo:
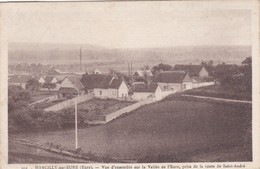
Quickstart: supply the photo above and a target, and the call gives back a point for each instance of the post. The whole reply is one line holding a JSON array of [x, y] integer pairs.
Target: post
[[76, 122]]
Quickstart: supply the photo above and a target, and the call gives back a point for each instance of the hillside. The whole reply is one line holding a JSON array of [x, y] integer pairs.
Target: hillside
[[69, 53]]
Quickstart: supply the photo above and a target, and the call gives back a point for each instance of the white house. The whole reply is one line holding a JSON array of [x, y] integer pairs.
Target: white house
[[142, 73], [177, 81], [199, 75], [153, 90], [71, 85], [105, 86], [193, 70]]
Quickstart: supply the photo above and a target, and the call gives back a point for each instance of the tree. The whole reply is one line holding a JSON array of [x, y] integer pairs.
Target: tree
[[49, 86], [161, 67], [33, 85]]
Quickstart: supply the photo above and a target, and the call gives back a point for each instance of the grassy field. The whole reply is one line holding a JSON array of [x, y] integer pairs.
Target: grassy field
[[232, 92], [101, 106], [167, 131], [41, 95]]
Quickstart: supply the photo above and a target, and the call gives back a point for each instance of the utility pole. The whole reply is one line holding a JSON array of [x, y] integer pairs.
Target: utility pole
[[80, 58], [76, 122]]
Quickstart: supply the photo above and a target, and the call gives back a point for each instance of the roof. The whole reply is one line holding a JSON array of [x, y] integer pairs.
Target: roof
[[37, 77], [149, 88], [248, 60], [91, 81], [68, 90], [193, 70], [20, 79], [170, 77], [48, 79], [76, 81], [115, 84], [143, 72]]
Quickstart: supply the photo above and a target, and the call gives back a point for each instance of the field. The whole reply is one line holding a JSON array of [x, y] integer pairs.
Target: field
[[232, 92], [167, 131], [41, 95]]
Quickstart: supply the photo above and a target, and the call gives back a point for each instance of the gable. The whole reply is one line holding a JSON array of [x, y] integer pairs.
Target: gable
[[187, 78], [203, 72], [54, 80]]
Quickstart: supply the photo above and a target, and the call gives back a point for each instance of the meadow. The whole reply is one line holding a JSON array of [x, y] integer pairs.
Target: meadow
[[166, 131]]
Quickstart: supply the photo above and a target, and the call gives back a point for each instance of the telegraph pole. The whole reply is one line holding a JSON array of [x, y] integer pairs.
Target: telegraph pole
[[80, 58], [76, 122]]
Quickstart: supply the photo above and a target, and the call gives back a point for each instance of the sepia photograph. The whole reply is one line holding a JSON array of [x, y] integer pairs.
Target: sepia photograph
[[129, 82]]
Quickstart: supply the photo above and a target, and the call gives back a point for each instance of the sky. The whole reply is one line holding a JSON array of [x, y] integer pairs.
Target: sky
[[130, 24]]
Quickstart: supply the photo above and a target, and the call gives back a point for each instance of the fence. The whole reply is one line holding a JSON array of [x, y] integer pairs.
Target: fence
[[102, 119], [69, 103]]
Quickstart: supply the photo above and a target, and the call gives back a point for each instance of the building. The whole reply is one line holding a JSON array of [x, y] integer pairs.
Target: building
[[40, 79], [247, 61], [105, 86], [70, 86], [19, 80], [153, 90], [193, 70], [177, 81], [142, 73]]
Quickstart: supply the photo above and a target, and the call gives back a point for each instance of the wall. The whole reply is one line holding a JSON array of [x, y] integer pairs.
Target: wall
[[159, 94], [127, 109], [69, 103], [140, 95], [196, 85], [176, 87], [203, 72], [123, 90]]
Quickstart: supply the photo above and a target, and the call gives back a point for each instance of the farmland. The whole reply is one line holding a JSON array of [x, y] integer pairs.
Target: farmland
[[167, 131]]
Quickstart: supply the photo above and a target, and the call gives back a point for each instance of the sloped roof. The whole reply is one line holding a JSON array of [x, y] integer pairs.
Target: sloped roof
[[170, 77], [68, 90], [91, 81], [248, 60], [60, 78], [143, 72], [37, 77], [76, 81], [115, 84], [193, 70], [48, 79], [20, 79], [151, 88]]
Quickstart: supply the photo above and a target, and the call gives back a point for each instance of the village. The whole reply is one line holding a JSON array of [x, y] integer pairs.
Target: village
[[102, 97]]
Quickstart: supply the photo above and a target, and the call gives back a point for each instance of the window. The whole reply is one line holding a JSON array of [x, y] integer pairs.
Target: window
[[100, 92], [184, 86]]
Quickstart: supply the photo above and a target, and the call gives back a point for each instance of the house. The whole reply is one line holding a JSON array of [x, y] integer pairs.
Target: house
[[152, 90], [19, 80], [142, 73], [105, 86], [177, 81], [96, 71], [247, 61], [142, 76], [193, 70], [70, 86], [39, 78], [50, 79]]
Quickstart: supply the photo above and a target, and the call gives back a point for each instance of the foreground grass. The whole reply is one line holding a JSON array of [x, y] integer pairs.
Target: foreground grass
[[167, 131], [231, 92]]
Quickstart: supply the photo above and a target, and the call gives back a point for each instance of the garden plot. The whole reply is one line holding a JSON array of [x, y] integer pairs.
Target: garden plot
[[101, 106]]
